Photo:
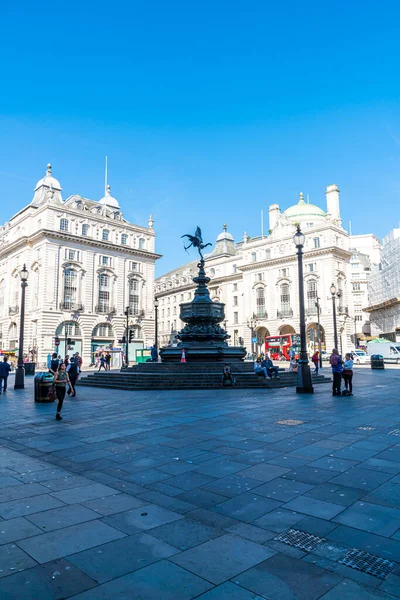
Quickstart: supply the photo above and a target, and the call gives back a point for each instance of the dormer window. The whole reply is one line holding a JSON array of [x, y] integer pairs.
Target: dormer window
[[317, 242], [141, 243], [63, 224], [106, 235], [124, 239]]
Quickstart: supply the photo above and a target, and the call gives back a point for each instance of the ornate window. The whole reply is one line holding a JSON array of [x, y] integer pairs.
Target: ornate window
[[70, 288], [85, 229], [285, 300], [142, 242], [212, 272], [2, 294], [312, 295], [260, 302], [253, 256], [63, 224], [106, 235], [104, 293], [124, 239], [317, 242], [104, 330], [133, 296]]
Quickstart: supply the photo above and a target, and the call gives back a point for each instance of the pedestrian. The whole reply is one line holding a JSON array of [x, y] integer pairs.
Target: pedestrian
[[54, 363], [227, 376], [48, 361], [315, 360], [60, 380], [293, 365], [79, 359], [102, 363], [348, 375], [337, 368], [269, 365], [73, 374], [154, 353], [108, 361], [259, 369], [5, 369], [66, 361]]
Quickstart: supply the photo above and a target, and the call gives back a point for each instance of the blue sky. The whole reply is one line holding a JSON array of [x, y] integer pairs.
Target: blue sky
[[208, 111]]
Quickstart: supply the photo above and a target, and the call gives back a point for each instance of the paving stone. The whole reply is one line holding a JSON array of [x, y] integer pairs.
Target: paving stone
[[173, 504], [361, 478], [55, 580], [315, 526], [337, 494], [350, 590], [355, 452], [148, 476], [224, 557], [27, 506], [282, 577], [120, 557], [66, 483], [342, 570], [333, 463], [283, 489], [65, 516], [61, 543], [314, 507], [18, 492], [386, 495], [371, 517], [189, 481], [233, 485], [16, 529], [146, 517], [388, 549], [8, 481], [162, 580], [84, 493], [381, 465], [222, 468], [113, 504], [229, 591], [251, 532], [202, 498], [246, 507], [13, 559], [212, 518], [186, 533], [279, 520], [391, 585], [264, 472], [310, 475]]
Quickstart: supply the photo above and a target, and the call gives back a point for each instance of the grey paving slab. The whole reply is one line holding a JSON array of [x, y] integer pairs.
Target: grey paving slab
[[337, 494], [279, 520], [162, 580], [350, 590], [18, 492], [311, 475], [391, 585], [387, 494], [65, 516], [264, 472], [84, 493], [224, 557], [233, 485], [202, 497], [229, 591], [212, 518], [27, 506], [148, 476], [246, 507], [172, 503], [13, 559], [66, 483], [61, 543], [251, 532], [222, 468], [361, 478], [8, 481], [283, 489], [282, 577], [374, 544], [314, 507], [112, 560], [16, 529], [189, 481], [113, 504], [146, 517], [374, 518], [55, 580], [186, 533], [333, 463], [315, 526]]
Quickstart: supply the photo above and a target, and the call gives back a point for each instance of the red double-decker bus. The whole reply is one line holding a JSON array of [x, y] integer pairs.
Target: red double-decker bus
[[279, 347]]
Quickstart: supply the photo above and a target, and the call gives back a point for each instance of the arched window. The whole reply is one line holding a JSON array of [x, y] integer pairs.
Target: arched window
[[124, 239], [234, 268], [104, 294], [142, 242], [253, 256], [2, 294], [12, 336], [104, 330], [63, 224], [70, 289], [212, 272], [106, 235], [85, 229], [286, 311], [260, 302], [35, 288], [312, 296], [133, 297]]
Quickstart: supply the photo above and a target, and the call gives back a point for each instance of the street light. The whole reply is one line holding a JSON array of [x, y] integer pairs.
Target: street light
[[156, 304], [126, 313], [317, 304], [334, 294], [250, 324], [304, 379], [20, 372]]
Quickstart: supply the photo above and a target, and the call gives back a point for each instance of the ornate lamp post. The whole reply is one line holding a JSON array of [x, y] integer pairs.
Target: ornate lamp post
[[250, 324], [304, 379], [335, 336], [156, 304], [20, 372], [317, 304], [126, 313]]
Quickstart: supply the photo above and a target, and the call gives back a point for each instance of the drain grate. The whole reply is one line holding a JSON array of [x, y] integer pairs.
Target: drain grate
[[300, 539], [395, 432], [368, 563], [290, 422], [366, 428]]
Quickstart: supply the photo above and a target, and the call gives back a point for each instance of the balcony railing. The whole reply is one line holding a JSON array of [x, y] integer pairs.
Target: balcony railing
[[260, 314], [13, 310], [136, 312], [75, 306], [285, 312], [105, 309], [343, 310], [312, 310]]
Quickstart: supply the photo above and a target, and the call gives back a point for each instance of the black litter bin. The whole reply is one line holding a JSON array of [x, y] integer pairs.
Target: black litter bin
[[43, 382], [29, 368], [377, 361]]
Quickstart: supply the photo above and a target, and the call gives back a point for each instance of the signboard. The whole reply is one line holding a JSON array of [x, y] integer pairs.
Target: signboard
[[254, 340], [57, 342]]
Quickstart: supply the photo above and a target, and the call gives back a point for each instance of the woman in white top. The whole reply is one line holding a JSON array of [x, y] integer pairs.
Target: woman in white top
[[348, 374]]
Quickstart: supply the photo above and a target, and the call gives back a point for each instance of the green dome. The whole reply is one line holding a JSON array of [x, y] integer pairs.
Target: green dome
[[303, 210]]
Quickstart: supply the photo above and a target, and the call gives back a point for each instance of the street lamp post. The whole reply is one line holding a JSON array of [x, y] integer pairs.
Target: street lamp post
[[317, 304], [127, 337], [304, 379], [20, 372], [250, 325], [156, 304], [335, 336]]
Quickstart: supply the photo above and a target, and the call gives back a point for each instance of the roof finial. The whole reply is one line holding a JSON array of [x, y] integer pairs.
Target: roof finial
[[301, 198], [108, 189], [48, 172], [225, 227], [150, 221]]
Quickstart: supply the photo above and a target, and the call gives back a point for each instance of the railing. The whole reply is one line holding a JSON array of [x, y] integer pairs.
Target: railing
[[312, 310], [13, 310], [285, 312], [71, 306], [343, 310], [260, 314], [135, 312], [105, 309]]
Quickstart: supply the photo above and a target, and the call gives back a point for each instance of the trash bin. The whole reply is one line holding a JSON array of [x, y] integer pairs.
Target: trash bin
[[377, 361], [29, 368], [43, 382]]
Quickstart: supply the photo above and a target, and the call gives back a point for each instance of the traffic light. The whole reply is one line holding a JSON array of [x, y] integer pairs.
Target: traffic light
[[240, 341], [122, 340], [69, 341], [131, 336]]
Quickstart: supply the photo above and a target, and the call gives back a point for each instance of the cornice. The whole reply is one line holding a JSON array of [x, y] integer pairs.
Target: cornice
[[382, 305], [255, 266]]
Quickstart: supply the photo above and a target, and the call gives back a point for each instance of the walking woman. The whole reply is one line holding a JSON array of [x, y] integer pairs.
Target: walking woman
[[348, 375], [60, 380]]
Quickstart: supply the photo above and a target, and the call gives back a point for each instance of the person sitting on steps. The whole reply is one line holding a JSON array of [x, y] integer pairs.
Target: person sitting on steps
[[259, 369], [267, 362], [227, 376]]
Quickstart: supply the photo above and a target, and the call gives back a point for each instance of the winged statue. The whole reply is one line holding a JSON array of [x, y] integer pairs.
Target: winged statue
[[196, 241]]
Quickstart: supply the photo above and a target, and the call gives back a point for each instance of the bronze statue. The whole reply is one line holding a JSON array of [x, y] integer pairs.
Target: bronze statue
[[196, 241]]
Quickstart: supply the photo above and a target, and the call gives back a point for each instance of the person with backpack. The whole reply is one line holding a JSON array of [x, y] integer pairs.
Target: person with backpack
[[337, 369], [102, 363], [227, 376], [315, 360], [73, 373], [4, 372], [108, 361], [54, 363], [348, 375]]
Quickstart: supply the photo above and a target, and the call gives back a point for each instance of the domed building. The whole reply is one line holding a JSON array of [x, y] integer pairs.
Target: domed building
[[257, 279]]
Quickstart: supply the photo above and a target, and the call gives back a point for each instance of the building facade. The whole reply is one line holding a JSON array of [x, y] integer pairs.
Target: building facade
[[86, 264], [257, 279], [384, 290]]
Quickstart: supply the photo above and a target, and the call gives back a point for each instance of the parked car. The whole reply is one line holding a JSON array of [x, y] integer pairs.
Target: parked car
[[360, 357], [325, 355], [389, 350]]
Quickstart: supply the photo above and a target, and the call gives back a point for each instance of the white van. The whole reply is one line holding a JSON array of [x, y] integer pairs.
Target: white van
[[389, 350]]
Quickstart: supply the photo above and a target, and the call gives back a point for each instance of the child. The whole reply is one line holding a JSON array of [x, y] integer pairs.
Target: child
[[348, 375]]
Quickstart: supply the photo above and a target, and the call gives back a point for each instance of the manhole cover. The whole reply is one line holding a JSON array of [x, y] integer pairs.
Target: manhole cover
[[300, 539], [395, 432], [366, 428], [368, 563], [290, 422]]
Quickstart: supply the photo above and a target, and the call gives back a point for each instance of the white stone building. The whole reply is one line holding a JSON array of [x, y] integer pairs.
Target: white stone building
[[257, 278], [86, 264]]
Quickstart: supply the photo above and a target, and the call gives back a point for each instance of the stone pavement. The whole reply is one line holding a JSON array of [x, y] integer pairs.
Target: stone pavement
[[181, 495]]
